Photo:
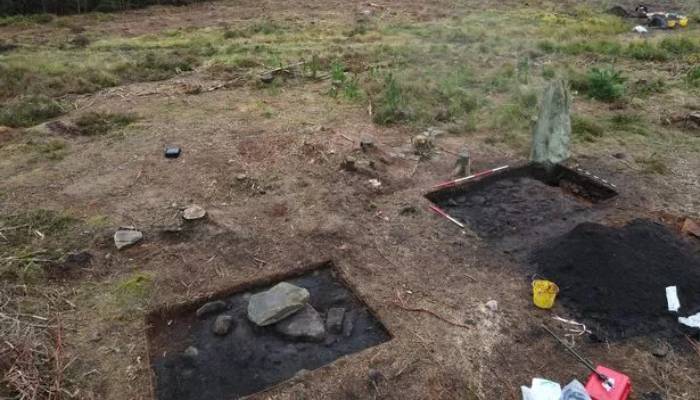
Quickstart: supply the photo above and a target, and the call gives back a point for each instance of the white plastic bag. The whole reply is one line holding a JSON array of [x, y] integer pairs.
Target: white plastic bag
[[541, 389], [575, 391]]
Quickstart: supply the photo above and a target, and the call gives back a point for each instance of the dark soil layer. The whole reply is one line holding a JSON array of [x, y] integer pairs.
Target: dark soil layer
[[250, 358], [614, 279], [516, 207]]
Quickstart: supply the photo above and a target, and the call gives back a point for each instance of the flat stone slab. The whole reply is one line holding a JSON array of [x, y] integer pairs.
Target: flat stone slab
[[210, 308], [274, 305], [126, 237], [194, 212], [306, 324], [222, 325]]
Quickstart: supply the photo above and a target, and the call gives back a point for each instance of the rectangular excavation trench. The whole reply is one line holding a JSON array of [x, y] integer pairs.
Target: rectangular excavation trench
[[250, 359], [518, 207]]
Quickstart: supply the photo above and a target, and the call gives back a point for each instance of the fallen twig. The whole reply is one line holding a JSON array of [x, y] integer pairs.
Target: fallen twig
[[399, 302]]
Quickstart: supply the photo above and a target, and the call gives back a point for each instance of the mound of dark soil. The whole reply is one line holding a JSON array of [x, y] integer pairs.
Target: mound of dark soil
[[615, 278]]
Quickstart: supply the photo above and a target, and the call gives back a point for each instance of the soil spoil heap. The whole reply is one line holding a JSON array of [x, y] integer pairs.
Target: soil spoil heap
[[614, 279]]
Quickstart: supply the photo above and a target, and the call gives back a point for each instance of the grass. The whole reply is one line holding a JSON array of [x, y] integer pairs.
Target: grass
[[29, 111], [100, 123], [586, 129], [132, 292], [653, 165], [31, 239], [693, 77]]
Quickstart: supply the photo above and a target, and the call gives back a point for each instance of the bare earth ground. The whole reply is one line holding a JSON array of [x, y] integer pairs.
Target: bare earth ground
[[312, 210]]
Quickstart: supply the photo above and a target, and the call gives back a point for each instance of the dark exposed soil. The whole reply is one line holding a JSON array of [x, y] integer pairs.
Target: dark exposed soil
[[615, 278], [517, 207], [251, 358]]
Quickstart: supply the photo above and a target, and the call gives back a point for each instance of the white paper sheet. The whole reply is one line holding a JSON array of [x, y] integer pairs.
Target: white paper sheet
[[672, 299]]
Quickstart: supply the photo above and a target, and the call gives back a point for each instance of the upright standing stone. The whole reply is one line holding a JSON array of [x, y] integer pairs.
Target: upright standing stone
[[552, 133]]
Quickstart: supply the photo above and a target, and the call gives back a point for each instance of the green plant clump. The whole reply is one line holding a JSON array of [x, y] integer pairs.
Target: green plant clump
[[29, 111], [605, 84], [98, 123]]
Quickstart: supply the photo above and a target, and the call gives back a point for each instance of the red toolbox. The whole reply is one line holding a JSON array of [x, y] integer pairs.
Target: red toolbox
[[620, 390]]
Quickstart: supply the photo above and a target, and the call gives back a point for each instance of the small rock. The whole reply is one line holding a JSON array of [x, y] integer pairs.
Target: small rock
[[222, 325], [267, 77], [334, 319], [366, 144], [126, 237], [620, 156], [374, 375], [350, 164], [305, 325], [277, 303], [492, 305], [375, 183], [660, 350], [241, 177], [194, 212], [211, 307], [78, 259], [191, 353]]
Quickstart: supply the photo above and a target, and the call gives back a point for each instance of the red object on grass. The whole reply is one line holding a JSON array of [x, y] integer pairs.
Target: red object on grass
[[620, 391]]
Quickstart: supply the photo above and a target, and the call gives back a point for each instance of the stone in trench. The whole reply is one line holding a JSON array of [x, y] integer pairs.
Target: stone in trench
[[126, 237], [222, 325], [191, 353], [306, 324], [210, 308], [348, 324], [551, 135], [277, 303], [334, 319], [194, 212]]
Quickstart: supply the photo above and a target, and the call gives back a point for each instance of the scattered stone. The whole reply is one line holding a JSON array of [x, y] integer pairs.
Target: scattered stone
[[551, 135], [374, 375], [304, 325], [277, 303], [194, 212], [125, 237], [349, 164], [422, 144], [210, 308], [694, 116], [492, 305], [691, 227], [375, 183], [191, 353], [366, 144], [267, 77], [660, 350], [241, 177], [620, 156], [222, 325], [172, 152], [334, 319]]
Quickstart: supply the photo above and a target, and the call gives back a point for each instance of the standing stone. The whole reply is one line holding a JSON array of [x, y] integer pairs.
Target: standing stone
[[463, 164], [281, 301], [304, 325], [222, 325], [334, 319], [210, 308], [126, 237], [552, 133]]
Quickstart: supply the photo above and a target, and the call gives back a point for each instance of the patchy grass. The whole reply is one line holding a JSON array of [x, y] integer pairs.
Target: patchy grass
[[32, 240], [653, 165], [629, 123], [29, 111], [586, 129], [693, 77], [100, 123], [132, 292]]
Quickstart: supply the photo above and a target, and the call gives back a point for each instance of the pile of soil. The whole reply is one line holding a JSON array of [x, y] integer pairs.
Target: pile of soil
[[614, 279], [251, 358]]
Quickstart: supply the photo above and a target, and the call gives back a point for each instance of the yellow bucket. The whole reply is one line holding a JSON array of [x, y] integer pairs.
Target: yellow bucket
[[543, 293], [683, 22]]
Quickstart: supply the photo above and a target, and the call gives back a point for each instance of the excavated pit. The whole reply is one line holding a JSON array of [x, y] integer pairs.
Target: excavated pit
[[522, 206], [250, 359]]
